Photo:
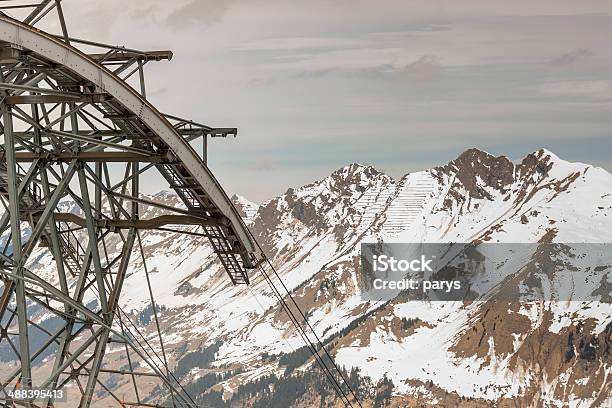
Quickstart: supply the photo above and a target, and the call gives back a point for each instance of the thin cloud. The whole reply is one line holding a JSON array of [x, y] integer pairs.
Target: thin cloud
[[299, 44], [426, 68], [596, 90], [571, 57], [264, 164], [199, 12]]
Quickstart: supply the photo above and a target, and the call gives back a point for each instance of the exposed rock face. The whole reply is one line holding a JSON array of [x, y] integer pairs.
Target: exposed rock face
[[476, 354], [476, 170]]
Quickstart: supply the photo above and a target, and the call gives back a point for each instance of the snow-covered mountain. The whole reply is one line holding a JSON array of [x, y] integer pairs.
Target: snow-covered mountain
[[487, 353]]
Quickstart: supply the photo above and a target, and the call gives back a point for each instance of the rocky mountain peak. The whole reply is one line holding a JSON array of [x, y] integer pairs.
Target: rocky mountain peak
[[476, 170], [540, 161], [354, 174]]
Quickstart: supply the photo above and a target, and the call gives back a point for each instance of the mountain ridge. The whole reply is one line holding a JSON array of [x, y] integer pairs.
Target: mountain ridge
[[530, 159]]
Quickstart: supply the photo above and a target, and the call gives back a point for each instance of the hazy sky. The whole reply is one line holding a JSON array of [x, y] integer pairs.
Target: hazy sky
[[401, 85]]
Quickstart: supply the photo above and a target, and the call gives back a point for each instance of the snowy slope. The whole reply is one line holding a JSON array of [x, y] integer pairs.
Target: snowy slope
[[539, 353]]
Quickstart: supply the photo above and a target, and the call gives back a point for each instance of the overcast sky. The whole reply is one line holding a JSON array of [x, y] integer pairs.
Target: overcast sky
[[406, 85]]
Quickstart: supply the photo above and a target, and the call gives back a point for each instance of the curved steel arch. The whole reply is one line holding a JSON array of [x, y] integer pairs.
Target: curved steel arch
[[29, 38]]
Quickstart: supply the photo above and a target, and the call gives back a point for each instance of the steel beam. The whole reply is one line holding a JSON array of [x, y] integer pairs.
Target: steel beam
[[125, 55], [14, 203], [151, 223], [89, 156], [52, 99], [44, 91]]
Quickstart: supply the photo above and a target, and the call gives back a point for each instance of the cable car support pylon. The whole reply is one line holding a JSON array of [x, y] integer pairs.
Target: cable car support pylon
[[75, 131]]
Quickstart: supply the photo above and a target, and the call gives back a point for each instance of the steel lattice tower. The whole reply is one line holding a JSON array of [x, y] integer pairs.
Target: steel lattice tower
[[70, 125]]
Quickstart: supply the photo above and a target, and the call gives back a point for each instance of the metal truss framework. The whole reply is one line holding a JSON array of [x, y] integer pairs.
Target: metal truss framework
[[74, 130]]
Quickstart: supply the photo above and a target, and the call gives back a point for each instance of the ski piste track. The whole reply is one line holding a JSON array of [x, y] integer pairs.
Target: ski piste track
[[77, 140]]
